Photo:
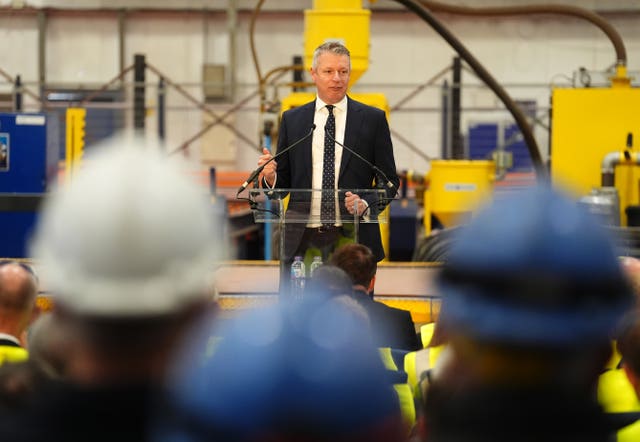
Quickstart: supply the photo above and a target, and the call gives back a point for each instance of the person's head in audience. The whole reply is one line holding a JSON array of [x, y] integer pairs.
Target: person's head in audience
[[329, 280], [46, 341], [530, 293], [393, 327], [18, 374], [18, 291], [301, 371], [355, 308], [359, 263], [127, 250]]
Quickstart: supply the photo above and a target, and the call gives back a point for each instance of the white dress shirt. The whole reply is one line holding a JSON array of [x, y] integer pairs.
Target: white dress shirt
[[317, 151]]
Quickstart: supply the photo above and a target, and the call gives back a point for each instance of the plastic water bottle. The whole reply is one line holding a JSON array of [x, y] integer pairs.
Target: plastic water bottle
[[317, 262], [297, 277]]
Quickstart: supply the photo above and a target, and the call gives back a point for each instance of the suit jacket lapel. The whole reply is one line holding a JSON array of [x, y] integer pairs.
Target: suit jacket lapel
[[354, 121], [306, 121]]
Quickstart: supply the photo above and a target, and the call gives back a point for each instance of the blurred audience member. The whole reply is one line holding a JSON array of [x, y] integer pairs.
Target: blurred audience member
[[531, 292], [628, 394], [392, 327], [617, 386], [18, 382], [421, 365], [18, 291], [47, 340], [46, 345], [127, 250], [329, 280], [298, 371]]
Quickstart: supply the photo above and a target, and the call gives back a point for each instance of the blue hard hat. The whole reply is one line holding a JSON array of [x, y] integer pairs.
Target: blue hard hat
[[534, 267], [309, 365]]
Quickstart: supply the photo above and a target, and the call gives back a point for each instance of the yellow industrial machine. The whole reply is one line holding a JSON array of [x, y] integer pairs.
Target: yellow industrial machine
[[591, 140], [455, 188], [592, 154], [345, 21], [75, 133]]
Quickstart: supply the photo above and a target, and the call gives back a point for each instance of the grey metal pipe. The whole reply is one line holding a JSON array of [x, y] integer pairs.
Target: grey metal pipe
[[611, 160]]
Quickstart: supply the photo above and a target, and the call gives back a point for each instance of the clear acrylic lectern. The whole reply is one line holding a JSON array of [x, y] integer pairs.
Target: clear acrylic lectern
[[295, 206]]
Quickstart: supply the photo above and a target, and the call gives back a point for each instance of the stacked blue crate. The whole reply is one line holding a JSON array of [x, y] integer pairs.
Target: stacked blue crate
[[483, 138], [514, 143]]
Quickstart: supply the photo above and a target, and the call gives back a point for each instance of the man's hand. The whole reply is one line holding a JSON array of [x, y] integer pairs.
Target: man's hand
[[269, 171], [351, 201]]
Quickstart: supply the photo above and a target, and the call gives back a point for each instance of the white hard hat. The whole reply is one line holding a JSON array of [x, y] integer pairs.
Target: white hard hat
[[130, 235]]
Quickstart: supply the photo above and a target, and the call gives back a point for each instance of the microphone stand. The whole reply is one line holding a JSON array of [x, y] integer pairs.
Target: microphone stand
[[375, 168], [256, 173], [377, 171]]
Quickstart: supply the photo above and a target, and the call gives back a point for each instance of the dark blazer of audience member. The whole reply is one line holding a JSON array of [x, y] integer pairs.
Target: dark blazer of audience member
[[391, 327]]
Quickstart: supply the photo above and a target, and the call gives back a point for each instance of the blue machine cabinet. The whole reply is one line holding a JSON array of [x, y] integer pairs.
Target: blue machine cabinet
[[29, 155]]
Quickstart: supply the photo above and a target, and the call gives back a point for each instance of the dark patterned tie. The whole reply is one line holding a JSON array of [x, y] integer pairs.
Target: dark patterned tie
[[327, 204]]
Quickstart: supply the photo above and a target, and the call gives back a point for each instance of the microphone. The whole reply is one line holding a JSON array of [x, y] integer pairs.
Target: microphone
[[373, 167], [257, 172]]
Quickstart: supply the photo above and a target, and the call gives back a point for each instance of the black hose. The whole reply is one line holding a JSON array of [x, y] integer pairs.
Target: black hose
[[541, 170], [574, 11]]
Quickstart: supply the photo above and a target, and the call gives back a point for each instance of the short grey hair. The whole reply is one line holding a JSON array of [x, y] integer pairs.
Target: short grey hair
[[330, 46]]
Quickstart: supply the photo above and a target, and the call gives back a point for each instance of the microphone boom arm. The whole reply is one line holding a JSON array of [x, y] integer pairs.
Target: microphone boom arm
[[391, 188], [259, 170], [373, 167]]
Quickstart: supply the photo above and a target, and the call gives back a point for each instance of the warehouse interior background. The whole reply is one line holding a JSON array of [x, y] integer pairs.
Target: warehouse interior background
[[484, 98], [216, 72], [81, 45]]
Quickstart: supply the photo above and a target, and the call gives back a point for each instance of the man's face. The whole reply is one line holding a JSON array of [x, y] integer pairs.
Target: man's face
[[331, 77]]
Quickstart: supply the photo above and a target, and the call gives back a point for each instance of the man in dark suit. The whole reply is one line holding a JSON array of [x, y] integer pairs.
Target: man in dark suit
[[359, 127], [391, 327]]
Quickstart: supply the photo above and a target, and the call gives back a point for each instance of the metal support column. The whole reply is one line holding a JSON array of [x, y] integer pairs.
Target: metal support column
[[162, 113], [268, 229], [42, 51], [445, 129], [232, 23], [457, 144], [17, 95], [139, 92]]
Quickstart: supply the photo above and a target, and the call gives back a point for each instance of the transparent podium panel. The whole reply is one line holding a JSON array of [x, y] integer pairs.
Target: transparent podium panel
[[302, 230], [303, 206]]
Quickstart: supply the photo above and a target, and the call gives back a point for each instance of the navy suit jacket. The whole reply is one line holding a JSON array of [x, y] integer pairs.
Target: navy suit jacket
[[367, 133], [391, 327]]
